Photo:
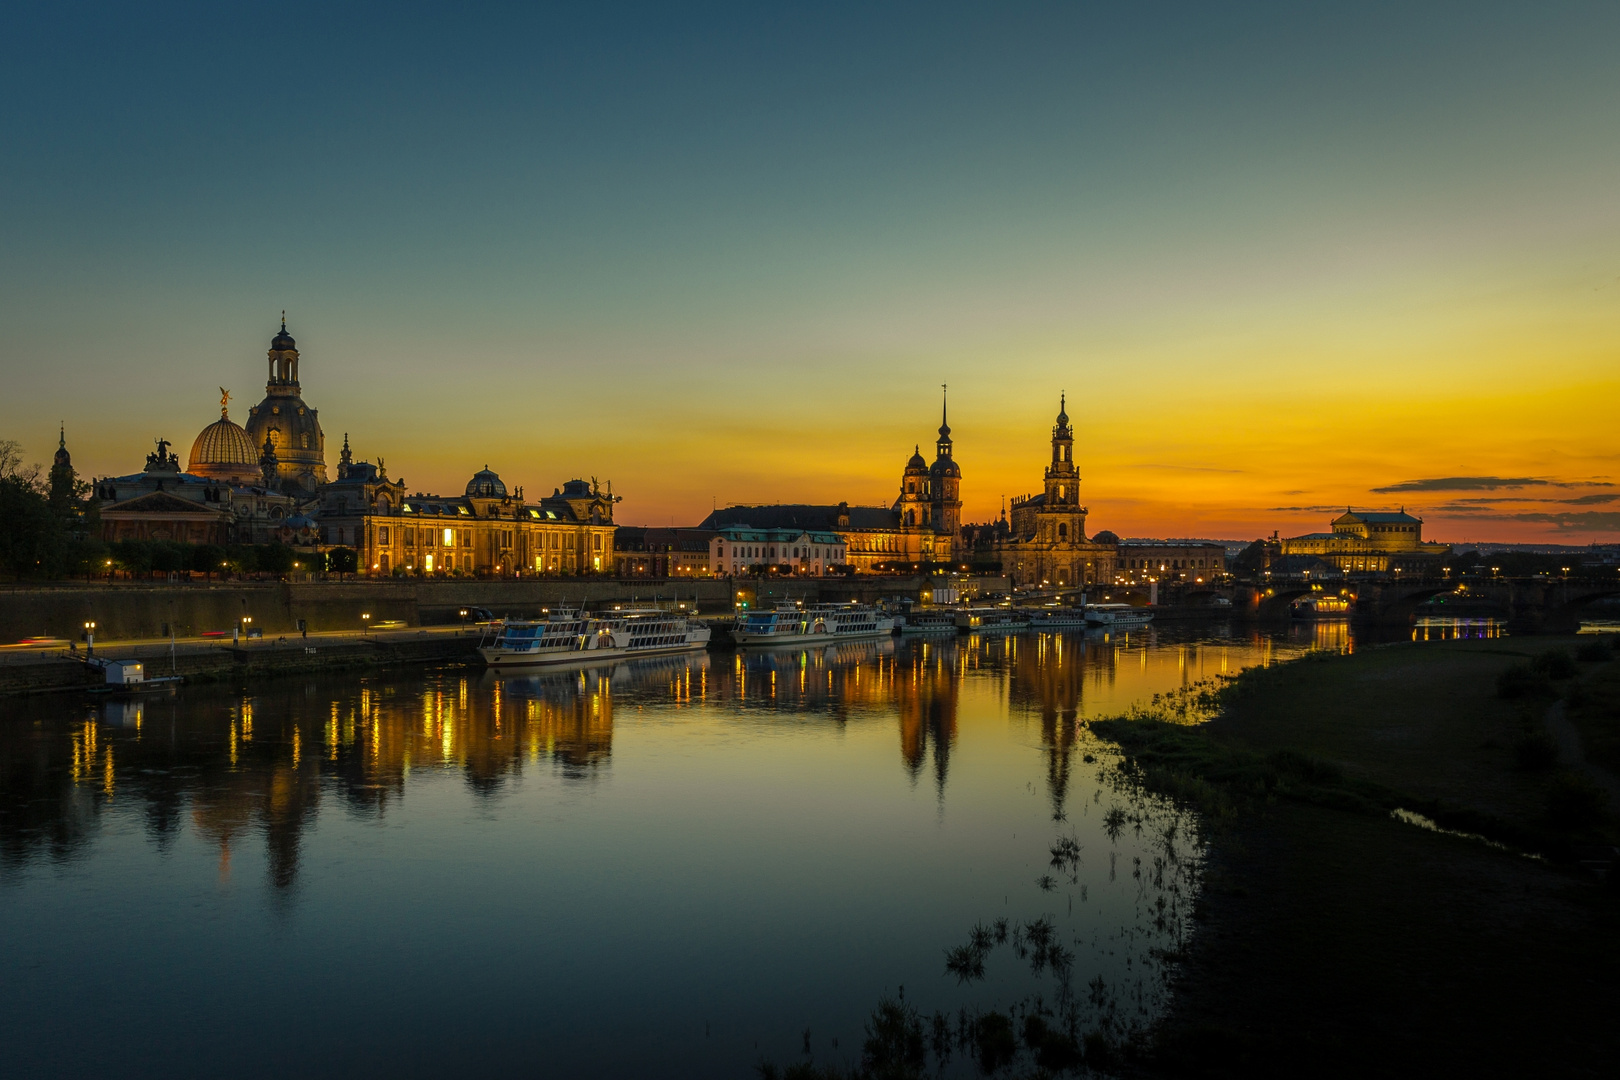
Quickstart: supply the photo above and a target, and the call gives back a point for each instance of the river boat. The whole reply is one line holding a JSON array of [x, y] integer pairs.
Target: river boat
[[930, 621], [573, 637], [1117, 617], [1320, 606], [791, 624], [992, 620], [1057, 619], [125, 678]]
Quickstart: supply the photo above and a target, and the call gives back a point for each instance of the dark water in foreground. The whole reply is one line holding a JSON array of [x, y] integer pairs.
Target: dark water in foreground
[[664, 868]]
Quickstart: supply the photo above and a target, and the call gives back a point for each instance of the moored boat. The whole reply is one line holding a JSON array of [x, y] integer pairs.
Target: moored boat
[[1057, 619], [930, 621], [1117, 616], [992, 620], [791, 624], [572, 637]]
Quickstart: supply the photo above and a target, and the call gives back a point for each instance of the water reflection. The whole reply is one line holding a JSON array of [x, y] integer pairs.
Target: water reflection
[[683, 809], [1427, 628]]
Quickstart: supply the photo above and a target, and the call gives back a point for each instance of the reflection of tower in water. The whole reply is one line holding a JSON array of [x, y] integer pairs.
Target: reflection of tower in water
[[925, 694], [1046, 677]]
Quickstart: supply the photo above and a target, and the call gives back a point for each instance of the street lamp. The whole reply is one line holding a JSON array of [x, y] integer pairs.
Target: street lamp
[[463, 619], [365, 621], [90, 637]]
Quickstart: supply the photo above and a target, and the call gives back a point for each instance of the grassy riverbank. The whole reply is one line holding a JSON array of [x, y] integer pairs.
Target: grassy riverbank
[[1336, 939]]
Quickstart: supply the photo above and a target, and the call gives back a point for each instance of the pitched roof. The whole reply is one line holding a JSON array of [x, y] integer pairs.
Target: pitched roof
[[802, 516]]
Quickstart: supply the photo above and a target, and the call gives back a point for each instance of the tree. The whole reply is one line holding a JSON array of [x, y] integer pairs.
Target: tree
[[342, 560], [208, 559], [1250, 561], [275, 558]]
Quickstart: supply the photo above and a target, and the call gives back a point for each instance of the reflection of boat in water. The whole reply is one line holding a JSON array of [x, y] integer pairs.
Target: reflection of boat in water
[[931, 621], [1117, 616], [569, 677], [1320, 606], [838, 653], [570, 638], [992, 620], [790, 624], [1057, 619]]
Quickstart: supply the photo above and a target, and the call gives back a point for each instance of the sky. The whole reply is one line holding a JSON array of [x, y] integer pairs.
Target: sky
[[1282, 258]]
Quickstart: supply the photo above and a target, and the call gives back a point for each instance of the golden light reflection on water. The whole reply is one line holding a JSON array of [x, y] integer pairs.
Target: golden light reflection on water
[[373, 734]]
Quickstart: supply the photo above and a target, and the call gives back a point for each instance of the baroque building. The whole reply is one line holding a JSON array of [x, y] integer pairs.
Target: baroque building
[[1371, 541], [282, 427], [921, 527], [267, 483], [1045, 542]]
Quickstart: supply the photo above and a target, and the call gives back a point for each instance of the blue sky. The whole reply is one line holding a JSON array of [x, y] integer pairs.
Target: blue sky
[[730, 252]]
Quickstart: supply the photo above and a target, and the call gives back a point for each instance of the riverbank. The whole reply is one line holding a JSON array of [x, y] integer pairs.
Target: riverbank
[[1335, 939], [209, 661]]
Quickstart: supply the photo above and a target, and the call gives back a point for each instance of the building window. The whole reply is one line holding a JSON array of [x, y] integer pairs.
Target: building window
[[597, 545], [449, 538], [382, 534]]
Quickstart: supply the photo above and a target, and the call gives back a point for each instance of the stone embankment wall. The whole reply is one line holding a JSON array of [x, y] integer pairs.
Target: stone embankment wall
[[125, 612], [210, 662]]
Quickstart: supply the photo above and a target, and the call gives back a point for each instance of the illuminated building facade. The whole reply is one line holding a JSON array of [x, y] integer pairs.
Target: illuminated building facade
[[1371, 541], [922, 526], [1168, 560], [1044, 542], [487, 531]]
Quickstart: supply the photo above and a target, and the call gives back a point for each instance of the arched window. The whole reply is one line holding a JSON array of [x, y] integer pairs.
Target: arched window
[[1063, 531]]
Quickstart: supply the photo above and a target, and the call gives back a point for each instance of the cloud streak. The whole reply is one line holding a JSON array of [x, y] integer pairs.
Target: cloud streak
[[1482, 483]]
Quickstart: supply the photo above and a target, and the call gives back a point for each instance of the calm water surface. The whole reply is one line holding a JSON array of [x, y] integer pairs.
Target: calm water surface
[[664, 867]]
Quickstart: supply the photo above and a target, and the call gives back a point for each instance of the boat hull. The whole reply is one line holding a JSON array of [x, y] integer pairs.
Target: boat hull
[[501, 660]]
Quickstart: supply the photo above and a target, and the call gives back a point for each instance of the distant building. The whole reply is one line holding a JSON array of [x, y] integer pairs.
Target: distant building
[[1044, 542], [163, 503], [1168, 560], [486, 531], [647, 551], [1371, 541], [283, 427], [816, 552], [921, 527]]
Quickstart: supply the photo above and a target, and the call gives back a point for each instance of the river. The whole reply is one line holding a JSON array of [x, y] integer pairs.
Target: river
[[665, 867]]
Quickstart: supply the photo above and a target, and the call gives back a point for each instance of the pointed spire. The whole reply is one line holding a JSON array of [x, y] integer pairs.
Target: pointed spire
[[283, 320], [61, 436]]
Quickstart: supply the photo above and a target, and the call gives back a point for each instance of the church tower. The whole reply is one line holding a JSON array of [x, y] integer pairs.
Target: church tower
[[1065, 517], [300, 445], [945, 481]]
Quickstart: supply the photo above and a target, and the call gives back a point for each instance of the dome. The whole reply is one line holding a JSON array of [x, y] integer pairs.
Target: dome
[[917, 462], [283, 341], [224, 451], [946, 467], [485, 484], [1105, 537]]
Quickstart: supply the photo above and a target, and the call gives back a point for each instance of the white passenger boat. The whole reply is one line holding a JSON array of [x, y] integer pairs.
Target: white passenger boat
[[930, 621], [1058, 619], [572, 637], [992, 619], [790, 624], [1117, 616]]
